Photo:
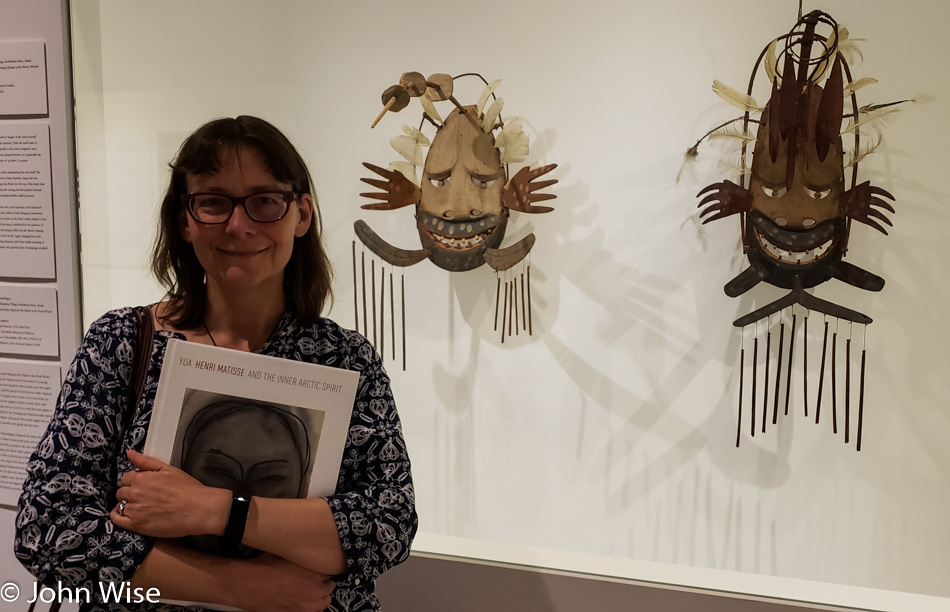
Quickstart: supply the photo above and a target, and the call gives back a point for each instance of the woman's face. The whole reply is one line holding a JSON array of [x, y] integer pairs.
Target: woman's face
[[242, 254], [248, 451]]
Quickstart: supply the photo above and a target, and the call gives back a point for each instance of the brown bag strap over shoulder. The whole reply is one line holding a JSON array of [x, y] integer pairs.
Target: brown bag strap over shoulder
[[140, 362]]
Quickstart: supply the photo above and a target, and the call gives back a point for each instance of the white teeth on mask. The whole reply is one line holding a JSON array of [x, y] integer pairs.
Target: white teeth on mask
[[462, 243], [795, 257]]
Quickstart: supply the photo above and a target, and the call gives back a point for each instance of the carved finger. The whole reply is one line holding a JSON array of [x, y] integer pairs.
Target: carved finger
[[384, 185], [379, 195], [384, 172], [873, 212], [885, 205], [873, 224], [881, 192], [713, 208], [534, 186], [721, 215], [540, 197], [535, 209], [713, 187], [541, 170], [713, 197]]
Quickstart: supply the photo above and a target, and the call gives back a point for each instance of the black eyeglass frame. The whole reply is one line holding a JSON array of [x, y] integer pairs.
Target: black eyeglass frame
[[188, 198]]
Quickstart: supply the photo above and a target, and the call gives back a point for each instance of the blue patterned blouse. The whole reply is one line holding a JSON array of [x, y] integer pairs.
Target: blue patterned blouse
[[63, 528]]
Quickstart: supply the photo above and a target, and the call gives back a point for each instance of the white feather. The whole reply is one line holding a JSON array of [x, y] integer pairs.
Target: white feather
[[429, 109], [873, 120], [511, 129], [488, 91], [858, 84], [488, 123], [516, 150], [770, 63], [735, 97], [848, 47], [416, 135], [406, 169], [408, 148]]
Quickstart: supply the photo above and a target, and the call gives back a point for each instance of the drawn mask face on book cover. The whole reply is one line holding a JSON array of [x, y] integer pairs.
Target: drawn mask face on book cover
[[248, 448]]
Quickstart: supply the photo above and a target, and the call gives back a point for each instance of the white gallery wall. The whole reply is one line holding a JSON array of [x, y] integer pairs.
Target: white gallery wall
[[611, 430]]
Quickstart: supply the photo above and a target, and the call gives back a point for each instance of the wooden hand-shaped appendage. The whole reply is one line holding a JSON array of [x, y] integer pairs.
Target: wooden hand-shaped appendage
[[465, 197], [791, 199]]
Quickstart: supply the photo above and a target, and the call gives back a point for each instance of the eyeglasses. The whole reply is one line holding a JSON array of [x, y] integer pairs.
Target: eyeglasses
[[262, 206]]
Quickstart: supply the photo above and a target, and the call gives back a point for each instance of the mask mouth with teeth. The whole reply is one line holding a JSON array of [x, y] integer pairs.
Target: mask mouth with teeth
[[795, 198], [463, 198]]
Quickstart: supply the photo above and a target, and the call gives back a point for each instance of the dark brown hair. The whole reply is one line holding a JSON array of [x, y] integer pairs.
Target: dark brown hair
[[308, 275]]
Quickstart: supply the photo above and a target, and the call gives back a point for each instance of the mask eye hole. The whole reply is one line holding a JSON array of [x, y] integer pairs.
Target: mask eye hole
[[817, 195], [438, 182], [481, 184], [774, 193]]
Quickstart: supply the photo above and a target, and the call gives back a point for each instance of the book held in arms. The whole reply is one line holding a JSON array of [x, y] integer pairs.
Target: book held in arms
[[254, 424]]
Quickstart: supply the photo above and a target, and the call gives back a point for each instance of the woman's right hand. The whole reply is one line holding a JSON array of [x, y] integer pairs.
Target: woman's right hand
[[277, 585]]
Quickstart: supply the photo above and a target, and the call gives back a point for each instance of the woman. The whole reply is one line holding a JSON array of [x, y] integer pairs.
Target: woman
[[239, 251]]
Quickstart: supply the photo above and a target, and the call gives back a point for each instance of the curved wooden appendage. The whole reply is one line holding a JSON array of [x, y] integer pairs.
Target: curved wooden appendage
[[384, 250], [747, 279], [502, 259], [798, 296]]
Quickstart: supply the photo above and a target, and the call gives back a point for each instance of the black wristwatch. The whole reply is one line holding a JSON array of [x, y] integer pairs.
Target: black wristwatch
[[237, 519]]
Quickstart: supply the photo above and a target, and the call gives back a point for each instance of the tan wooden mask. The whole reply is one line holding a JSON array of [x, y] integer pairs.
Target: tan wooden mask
[[463, 198]]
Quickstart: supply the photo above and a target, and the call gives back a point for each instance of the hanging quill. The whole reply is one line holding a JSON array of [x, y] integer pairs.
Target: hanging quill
[[735, 97]]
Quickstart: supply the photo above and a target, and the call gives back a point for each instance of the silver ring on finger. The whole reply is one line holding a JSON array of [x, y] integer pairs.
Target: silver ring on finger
[[121, 508]]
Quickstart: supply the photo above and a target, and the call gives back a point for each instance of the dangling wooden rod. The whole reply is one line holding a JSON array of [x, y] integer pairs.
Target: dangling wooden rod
[[821, 374], [373, 297], [765, 394], [363, 268], [356, 293], [791, 349], [382, 311], [847, 391], [497, 294], [403, 296], [834, 381], [524, 305], [511, 308], [529, 301], [392, 313], [504, 313], [514, 292], [861, 400], [755, 368], [778, 371], [805, 364], [741, 383]]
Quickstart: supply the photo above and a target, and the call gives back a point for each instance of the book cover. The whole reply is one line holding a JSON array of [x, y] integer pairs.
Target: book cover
[[253, 424]]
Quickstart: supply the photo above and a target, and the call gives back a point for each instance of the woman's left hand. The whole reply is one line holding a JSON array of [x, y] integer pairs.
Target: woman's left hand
[[162, 501]]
